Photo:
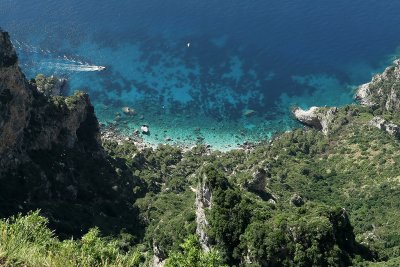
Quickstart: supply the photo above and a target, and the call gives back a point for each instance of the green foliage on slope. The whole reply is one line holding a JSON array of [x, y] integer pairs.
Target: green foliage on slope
[[191, 254], [27, 241]]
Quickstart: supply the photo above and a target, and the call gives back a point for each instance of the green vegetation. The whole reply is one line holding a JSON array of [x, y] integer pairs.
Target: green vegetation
[[192, 255], [27, 241]]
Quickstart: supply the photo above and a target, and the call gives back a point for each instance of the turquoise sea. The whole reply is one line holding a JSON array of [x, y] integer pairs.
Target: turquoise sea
[[218, 72]]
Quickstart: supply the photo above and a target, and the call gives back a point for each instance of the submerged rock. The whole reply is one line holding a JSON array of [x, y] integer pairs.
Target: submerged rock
[[128, 111], [249, 112]]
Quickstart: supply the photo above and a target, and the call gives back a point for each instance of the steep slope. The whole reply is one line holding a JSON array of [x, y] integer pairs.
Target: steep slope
[[15, 100], [51, 156]]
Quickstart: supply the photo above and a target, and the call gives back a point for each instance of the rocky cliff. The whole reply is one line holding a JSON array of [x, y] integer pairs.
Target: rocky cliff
[[383, 91], [29, 120], [203, 203], [15, 104], [316, 117], [50, 153], [381, 95]]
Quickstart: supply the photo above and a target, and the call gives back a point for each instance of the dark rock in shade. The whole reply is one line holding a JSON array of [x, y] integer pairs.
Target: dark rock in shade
[[297, 200], [159, 256], [15, 103], [8, 56]]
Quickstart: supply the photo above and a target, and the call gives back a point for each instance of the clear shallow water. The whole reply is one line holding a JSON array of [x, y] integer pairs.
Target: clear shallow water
[[261, 56]]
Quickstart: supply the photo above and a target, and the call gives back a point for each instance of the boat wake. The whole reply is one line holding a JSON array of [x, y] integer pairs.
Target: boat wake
[[48, 61], [72, 67]]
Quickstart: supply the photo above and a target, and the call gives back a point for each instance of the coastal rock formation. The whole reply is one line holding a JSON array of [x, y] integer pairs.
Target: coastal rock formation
[[49, 147], [316, 117], [30, 121], [363, 95], [387, 126], [383, 90]]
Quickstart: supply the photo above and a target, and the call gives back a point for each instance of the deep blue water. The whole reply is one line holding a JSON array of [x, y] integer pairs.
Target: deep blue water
[[265, 56]]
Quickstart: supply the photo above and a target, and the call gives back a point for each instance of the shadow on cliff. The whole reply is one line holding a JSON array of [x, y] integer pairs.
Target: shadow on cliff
[[51, 158], [73, 182]]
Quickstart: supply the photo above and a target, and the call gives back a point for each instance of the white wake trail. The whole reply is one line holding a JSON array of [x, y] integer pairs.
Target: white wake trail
[[74, 67], [52, 61]]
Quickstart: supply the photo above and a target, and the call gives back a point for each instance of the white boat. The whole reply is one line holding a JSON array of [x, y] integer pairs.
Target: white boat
[[100, 68]]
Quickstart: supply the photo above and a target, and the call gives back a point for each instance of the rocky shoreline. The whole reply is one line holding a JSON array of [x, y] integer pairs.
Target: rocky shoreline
[[376, 94], [112, 133]]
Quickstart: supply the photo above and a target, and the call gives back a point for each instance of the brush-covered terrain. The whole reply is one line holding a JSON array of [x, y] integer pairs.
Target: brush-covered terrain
[[325, 195]]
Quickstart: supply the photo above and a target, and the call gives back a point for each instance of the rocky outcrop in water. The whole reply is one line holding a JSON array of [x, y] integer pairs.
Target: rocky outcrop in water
[[316, 117]]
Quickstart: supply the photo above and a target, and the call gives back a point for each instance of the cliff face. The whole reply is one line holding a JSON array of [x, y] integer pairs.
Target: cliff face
[[383, 90], [31, 121], [51, 155], [203, 202], [15, 103], [316, 117]]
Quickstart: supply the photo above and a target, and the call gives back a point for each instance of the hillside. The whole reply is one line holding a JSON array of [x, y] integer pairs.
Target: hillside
[[325, 195]]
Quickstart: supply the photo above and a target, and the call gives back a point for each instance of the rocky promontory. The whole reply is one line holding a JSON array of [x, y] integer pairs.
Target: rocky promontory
[[316, 117], [383, 90]]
